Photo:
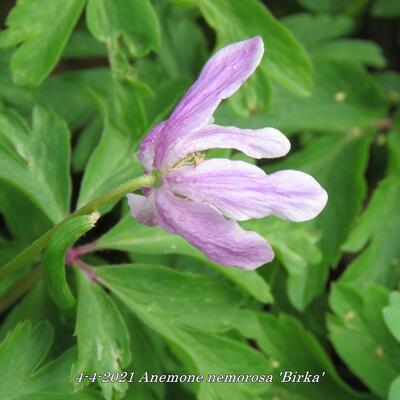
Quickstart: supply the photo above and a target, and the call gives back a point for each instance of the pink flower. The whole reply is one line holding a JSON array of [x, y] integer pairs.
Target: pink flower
[[201, 200]]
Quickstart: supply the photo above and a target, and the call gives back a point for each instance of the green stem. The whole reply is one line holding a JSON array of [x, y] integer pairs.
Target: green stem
[[115, 194], [20, 288]]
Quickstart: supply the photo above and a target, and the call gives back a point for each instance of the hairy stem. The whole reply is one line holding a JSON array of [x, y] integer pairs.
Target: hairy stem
[[115, 194]]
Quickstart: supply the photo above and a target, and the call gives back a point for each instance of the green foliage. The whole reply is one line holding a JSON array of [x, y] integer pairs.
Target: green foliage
[[360, 336], [22, 353], [174, 305], [103, 340], [303, 354], [287, 63], [36, 160], [82, 82], [378, 226], [42, 41]]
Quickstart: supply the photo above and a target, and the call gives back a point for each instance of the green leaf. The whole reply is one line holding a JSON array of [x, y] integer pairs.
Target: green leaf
[[113, 160], [394, 390], [102, 336], [291, 348], [184, 309], [16, 209], [42, 30], [362, 52], [9, 249], [21, 352], [351, 7], [313, 30], [389, 81], [296, 247], [391, 314], [360, 336], [65, 93], [87, 141], [285, 61], [37, 306], [36, 161], [190, 300], [378, 230], [147, 355], [183, 49], [345, 99], [393, 140], [386, 8], [135, 22], [83, 45], [131, 236]]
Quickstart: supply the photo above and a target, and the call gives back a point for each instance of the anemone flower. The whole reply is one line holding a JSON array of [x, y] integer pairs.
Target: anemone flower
[[202, 200]]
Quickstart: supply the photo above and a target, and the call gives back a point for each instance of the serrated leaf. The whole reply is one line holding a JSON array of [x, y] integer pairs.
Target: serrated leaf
[[42, 30], [285, 61], [378, 225], [360, 336], [102, 336], [65, 93], [21, 355], [36, 161], [134, 21], [21, 352], [185, 309], [131, 236]]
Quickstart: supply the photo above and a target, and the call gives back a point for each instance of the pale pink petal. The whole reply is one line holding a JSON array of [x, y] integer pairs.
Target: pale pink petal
[[143, 208], [222, 241], [222, 76], [147, 147], [257, 143], [242, 191]]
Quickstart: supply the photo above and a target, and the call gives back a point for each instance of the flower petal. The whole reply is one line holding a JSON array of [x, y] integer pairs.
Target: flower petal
[[222, 241], [143, 208], [147, 147], [222, 76], [257, 143], [242, 191]]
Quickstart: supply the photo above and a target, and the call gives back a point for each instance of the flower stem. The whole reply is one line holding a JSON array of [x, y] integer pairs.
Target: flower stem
[[115, 194]]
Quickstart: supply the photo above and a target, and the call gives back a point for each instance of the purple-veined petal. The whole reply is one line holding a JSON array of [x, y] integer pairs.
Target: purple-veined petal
[[222, 76], [257, 143], [242, 191], [143, 208], [221, 240], [147, 147]]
